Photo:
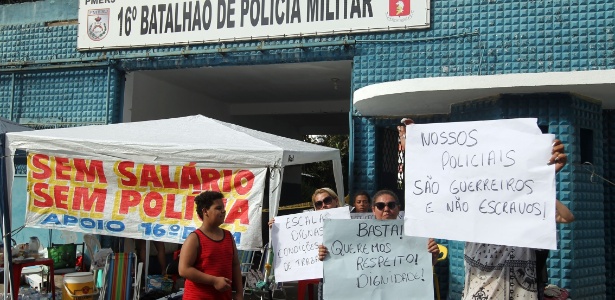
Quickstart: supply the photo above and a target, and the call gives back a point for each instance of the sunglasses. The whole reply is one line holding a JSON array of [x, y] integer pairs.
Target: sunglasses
[[382, 205], [325, 201]]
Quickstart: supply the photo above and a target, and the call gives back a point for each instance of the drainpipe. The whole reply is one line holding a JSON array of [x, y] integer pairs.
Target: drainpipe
[[81, 61], [351, 140], [36, 67], [12, 96], [108, 97]]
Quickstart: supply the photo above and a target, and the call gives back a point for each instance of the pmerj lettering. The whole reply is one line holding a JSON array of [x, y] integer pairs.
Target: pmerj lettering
[[460, 138], [386, 261], [89, 2], [365, 280], [492, 185], [512, 208], [384, 230], [492, 158], [328, 10]]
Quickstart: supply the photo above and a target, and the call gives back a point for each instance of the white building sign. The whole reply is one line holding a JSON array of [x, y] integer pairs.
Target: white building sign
[[138, 23]]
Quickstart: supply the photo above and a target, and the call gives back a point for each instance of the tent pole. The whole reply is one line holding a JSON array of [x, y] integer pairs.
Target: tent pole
[[339, 179], [6, 222]]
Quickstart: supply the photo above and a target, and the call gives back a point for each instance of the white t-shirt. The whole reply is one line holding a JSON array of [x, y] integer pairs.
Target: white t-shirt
[[495, 272]]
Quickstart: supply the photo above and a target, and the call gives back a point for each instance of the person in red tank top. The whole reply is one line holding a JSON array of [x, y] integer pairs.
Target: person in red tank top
[[208, 259]]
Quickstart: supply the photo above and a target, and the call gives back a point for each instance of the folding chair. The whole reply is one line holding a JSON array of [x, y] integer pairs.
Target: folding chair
[[260, 279], [249, 263], [122, 278], [92, 246]]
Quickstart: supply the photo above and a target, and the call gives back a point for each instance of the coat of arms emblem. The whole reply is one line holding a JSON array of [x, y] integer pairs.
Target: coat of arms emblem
[[399, 8], [98, 23]]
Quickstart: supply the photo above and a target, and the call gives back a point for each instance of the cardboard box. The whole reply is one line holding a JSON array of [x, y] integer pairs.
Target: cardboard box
[[159, 282]]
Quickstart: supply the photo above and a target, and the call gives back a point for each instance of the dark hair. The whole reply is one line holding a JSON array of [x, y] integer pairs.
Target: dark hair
[[385, 192], [205, 200], [361, 193]]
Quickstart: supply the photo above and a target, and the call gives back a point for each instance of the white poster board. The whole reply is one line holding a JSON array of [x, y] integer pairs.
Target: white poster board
[[484, 182], [295, 241], [372, 259]]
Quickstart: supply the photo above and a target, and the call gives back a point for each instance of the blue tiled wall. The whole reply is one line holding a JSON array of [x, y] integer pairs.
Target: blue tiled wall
[[64, 96]]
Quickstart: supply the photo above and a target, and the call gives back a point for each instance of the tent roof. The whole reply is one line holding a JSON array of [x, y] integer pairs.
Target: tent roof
[[10, 126], [193, 138]]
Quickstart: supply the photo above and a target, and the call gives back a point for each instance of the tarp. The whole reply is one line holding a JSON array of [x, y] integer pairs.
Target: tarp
[[195, 139], [7, 126]]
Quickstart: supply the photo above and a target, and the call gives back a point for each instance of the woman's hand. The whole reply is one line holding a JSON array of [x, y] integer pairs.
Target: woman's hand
[[322, 252], [432, 247], [271, 222], [222, 284], [558, 157]]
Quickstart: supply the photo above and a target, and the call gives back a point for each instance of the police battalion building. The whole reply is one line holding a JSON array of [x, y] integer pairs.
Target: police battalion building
[[296, 67]]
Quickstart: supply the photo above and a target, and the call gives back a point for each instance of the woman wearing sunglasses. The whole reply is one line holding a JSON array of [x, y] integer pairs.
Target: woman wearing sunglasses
[[325, 198], [386, 207]]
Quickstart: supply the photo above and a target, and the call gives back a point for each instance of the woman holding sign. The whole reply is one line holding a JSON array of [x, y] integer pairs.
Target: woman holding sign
[[208, 259], [386, 207], [507, 272]]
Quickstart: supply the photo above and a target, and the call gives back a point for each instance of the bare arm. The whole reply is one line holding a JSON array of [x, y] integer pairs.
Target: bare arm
[[322, 252], [187, 258], [562, 213], [237, 280], [558, 156], [432, 247]]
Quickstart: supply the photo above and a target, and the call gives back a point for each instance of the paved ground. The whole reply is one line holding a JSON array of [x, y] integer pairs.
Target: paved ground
[[289, 293]]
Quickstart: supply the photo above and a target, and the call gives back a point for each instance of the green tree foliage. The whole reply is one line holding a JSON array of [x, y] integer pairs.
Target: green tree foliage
[[320, 174]]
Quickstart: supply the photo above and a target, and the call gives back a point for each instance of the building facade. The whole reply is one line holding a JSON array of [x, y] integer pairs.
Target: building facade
[[567, 48]]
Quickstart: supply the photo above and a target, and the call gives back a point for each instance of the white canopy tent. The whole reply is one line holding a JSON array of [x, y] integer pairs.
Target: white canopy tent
[[186, 139], [179, 140]]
